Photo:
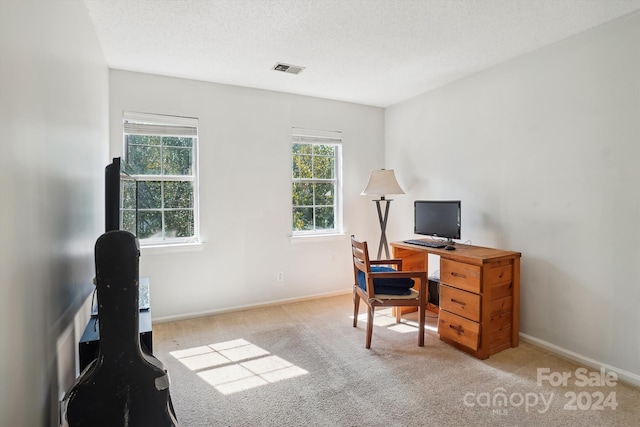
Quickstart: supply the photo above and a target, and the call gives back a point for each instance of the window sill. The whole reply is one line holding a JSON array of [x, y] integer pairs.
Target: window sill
[[171, 248], [315, 238]]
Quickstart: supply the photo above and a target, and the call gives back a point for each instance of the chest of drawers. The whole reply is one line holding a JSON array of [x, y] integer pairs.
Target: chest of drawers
[[476, 305]]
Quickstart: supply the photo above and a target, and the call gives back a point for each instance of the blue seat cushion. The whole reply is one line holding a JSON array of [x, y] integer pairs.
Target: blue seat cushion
[[400, 286]]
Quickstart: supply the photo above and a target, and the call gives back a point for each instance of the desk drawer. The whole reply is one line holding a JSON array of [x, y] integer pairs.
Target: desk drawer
[[462, 303], [458, 329], [496, 272], [460, 275]]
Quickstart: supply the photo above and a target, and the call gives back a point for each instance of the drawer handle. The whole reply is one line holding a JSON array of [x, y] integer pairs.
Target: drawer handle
[[462, 276], [457, 328], [462, 303]]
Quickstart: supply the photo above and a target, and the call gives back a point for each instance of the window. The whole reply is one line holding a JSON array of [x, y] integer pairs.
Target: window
[[316, 189], [160, 153]]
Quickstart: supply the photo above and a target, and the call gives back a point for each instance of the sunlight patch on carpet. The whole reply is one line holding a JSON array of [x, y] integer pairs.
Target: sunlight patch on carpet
[[236, 365]]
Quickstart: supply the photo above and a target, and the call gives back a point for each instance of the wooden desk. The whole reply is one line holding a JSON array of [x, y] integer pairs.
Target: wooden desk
[[479, 295]]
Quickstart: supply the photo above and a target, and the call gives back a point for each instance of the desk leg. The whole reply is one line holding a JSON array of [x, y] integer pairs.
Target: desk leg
[[411, 261]]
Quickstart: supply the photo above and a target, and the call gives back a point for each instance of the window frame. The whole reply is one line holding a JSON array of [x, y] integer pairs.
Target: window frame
[[148, 121], [324, 138]]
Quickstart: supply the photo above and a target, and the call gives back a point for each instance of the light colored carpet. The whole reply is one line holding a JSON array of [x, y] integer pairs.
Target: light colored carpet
[[304, 364]]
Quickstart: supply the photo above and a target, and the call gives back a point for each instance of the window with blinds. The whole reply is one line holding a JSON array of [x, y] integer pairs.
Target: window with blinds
[[160, 152], [316, 174]]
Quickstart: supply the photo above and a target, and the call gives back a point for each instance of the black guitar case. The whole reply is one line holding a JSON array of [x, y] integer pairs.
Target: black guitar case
[[124, 386]]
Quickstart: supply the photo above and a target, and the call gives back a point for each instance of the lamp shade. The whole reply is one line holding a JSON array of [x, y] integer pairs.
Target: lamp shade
[[381, 183]]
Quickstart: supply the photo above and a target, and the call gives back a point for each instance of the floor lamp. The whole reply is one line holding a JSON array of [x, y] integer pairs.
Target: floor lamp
[[382, 183]]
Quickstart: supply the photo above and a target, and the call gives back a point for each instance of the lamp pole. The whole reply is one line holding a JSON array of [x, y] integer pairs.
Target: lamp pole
[[381, 183], [383, 225]]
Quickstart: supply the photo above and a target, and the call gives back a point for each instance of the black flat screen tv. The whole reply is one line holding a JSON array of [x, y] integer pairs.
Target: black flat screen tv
[[437, 218], [121, 198]]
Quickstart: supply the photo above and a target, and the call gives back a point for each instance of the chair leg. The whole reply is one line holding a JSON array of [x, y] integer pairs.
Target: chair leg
[[369, 325], [421, 315], [356, 308], [398, 311]]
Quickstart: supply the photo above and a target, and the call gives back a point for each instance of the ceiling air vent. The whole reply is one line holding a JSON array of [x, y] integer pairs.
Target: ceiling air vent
[[288, 68]]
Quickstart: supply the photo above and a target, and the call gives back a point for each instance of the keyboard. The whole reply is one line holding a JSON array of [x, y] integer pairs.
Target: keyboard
[[425, 243]]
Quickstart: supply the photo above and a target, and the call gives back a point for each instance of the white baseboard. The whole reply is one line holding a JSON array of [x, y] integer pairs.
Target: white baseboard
[[165, 319], [623, 375]]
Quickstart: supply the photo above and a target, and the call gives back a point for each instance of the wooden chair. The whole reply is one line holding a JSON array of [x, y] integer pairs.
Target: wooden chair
[[372, 280]]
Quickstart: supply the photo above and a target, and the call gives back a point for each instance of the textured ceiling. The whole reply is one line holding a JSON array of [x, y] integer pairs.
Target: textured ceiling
[[374, 52]]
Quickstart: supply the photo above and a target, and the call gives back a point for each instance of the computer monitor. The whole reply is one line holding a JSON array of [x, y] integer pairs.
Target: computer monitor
[[437, 218]]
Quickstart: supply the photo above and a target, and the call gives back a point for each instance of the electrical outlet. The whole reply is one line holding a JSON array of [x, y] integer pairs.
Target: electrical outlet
[[280, 276]]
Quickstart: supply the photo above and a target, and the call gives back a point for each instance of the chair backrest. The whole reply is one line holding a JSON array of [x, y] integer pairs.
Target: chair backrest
[[361, 261]]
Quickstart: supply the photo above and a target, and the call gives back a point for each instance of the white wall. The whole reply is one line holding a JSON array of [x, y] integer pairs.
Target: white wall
[[53, 149], [544, 152], [245, 181]]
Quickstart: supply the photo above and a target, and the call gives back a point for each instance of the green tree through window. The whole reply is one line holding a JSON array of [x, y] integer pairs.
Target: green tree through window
[[315, 196], [160, 152]]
